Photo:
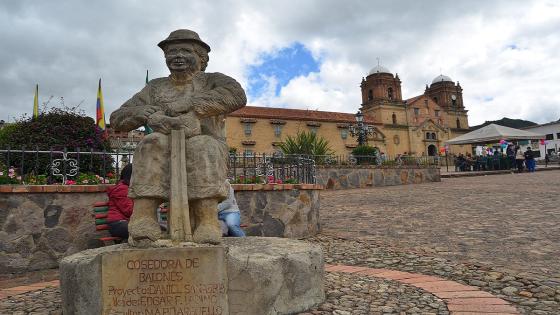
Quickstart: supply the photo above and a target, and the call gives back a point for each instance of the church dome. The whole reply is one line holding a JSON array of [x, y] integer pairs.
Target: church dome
[[441, 78], [379, 69]]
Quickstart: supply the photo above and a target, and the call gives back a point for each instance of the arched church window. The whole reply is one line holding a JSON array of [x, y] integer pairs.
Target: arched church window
[[394, 119], [428, 135], [434, 137], [458, 123], [390, 93], [370, 95], [435, 100]]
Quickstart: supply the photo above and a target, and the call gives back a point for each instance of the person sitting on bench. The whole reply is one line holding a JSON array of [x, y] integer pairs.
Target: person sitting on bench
[[228, 212], [120, 205]]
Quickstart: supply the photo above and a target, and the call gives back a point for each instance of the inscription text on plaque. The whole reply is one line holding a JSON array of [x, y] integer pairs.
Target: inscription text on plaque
[[165, 281]]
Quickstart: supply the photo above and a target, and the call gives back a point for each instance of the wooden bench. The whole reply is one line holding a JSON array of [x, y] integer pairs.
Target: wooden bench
[[100, 211]]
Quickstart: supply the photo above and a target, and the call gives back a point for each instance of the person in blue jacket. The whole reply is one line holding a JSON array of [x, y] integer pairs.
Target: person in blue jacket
[[228, 212]]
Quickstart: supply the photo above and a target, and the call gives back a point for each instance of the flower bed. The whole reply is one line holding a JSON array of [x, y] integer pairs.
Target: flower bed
[[10, 177]]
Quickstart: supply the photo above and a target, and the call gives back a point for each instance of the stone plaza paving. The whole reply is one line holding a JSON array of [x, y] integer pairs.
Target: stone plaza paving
[[473, 245], [511, 222]]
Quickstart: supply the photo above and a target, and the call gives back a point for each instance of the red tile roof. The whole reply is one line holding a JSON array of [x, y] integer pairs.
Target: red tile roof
[[414, 99], [296, 114]]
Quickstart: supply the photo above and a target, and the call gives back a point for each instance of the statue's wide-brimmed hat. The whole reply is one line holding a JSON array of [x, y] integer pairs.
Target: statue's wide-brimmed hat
[[183, 36]]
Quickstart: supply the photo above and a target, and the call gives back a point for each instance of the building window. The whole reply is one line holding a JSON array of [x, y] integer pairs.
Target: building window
[[278, 130], [390, 93], [550, 136], [248, 152], [558, 135], [437, 113], [434, 137], [428, 135], [344, 133], [248, 129], [370, 95], [396, 140], [435, 100], [458, 124], [416, 111], [394, 119], [454, 103]]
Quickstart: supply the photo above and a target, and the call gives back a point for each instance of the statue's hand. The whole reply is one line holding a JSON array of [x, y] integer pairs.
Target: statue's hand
[[145, 112], [156, 123], [175, 109], [164, 124]]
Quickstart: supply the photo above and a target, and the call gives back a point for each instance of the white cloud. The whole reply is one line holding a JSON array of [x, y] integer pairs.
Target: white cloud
[[67, 47]]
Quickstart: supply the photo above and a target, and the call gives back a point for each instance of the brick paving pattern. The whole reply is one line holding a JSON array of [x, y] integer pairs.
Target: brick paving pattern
[[510, 222], [459, 298]]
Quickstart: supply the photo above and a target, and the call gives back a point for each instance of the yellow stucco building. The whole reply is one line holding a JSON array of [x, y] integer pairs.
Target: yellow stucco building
[[415, 126]]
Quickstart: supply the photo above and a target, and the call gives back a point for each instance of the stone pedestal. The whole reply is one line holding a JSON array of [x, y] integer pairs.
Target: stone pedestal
[[249, 276]]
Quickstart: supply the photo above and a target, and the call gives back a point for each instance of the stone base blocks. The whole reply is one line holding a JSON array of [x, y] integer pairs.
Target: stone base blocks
[[249, 276]]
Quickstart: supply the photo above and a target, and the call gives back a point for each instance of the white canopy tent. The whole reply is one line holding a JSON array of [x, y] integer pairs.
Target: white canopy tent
[[494, 133]]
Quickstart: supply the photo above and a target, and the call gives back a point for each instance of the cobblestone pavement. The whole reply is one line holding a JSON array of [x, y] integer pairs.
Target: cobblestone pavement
[[510, 222], [528, 295], [371, 294], [349, 294], [346, 294], [46, 301]]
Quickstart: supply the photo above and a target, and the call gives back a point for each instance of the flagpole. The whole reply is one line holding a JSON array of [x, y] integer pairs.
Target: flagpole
[[36, 102], [147, 129]]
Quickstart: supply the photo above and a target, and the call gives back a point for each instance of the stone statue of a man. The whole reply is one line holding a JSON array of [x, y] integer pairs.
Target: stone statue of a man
[[197, 102]]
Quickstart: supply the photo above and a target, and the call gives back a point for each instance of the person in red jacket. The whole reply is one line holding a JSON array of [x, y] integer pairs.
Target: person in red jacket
[[120, 206]]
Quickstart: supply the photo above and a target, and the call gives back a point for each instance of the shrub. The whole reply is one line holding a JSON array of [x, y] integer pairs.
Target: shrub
[[54, 130], [365, 154], [306, 143]]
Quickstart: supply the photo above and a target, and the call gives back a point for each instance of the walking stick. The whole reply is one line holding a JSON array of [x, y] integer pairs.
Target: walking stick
[[179, 217]]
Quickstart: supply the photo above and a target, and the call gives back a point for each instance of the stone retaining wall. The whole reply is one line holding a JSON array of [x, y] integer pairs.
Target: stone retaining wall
[[37, 229], [280, 210], [363, 177], [39, 225]]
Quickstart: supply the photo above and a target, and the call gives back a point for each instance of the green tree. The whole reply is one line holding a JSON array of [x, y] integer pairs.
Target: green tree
[[55, 129], [307, 143]]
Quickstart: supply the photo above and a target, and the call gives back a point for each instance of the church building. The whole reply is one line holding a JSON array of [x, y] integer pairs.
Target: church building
[[416, 126]]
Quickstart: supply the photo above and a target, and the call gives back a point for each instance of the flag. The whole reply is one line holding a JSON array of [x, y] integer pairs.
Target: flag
[[147, 129], [36, 102], [100, 119]]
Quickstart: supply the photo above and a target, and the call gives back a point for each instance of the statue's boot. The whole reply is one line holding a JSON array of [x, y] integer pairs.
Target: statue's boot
[[143, 228], [207, 228]]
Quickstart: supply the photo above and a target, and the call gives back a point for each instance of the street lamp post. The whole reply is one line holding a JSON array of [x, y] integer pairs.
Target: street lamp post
[[361, 130]]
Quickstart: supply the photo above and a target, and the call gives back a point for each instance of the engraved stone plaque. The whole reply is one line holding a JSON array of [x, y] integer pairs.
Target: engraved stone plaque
[[165, 281]]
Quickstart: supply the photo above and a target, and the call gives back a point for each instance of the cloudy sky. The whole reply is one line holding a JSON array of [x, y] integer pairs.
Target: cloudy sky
[[297, 54]]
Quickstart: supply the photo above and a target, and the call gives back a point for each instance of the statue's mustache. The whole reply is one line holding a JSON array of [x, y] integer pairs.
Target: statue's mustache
[[190, 60]]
